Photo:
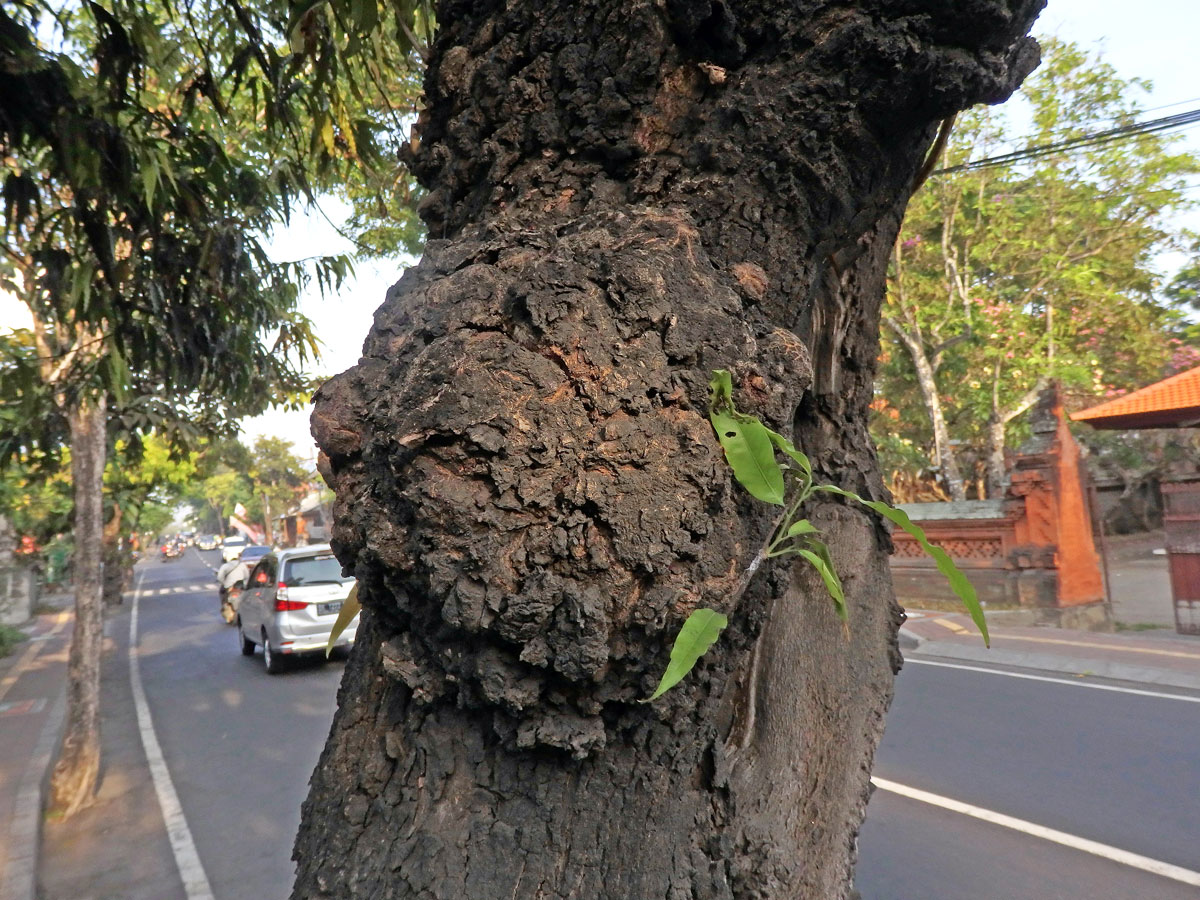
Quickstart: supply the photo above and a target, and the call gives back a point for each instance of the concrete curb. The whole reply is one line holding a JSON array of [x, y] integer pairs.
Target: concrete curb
[[1077, 666], [909, 640]]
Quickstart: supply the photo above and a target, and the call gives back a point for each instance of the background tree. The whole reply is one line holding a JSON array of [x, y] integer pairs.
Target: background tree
[[1010, 274], [143, 482], [135, 207], [279, 480], [622, 197]]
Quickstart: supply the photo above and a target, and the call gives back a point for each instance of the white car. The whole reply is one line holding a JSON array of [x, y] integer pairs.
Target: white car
[[290, 603], [232, 547]]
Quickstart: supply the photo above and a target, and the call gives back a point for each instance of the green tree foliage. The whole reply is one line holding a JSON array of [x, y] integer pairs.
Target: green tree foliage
[[1006, 276], [149, 149], [279, 479]]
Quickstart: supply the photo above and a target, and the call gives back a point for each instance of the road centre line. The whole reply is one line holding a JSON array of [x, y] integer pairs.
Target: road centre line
[[1115, 854], [187, 860], [1073, 683]]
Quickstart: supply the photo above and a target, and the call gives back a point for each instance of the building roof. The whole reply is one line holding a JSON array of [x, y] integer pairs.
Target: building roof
[[1171, 403]]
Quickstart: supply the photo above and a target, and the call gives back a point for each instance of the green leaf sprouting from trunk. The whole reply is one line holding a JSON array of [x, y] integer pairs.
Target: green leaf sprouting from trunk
[[818, 554], [751, 455], [958, 581], [698, 633]]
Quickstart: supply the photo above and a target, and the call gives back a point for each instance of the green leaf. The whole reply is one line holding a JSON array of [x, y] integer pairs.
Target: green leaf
[[350, 609], [748, 449], [783, 444], [698, 633], [720, 390], [819, 556], [803, 526], [958, 581]]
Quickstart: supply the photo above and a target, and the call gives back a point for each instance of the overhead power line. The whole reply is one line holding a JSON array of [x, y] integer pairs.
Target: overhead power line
[[1094, 139]]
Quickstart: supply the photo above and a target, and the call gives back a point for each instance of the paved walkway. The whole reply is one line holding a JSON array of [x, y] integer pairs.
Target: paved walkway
[[1157, 657], [32, 702]]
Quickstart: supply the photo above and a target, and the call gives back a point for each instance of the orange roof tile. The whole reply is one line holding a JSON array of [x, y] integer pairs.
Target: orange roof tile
[[1172, 402]]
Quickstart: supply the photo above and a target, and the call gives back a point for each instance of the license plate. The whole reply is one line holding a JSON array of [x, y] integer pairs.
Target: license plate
[[328, 609]]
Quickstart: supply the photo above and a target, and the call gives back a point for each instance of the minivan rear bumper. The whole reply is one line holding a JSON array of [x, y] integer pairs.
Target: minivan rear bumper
[[288, 642]]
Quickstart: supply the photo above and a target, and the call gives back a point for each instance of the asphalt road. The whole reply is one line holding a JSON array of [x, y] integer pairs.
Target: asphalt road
[[240, 744], [1120, 769]]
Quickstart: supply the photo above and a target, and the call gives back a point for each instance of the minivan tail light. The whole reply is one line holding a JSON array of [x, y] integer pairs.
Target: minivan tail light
[[282, 603]]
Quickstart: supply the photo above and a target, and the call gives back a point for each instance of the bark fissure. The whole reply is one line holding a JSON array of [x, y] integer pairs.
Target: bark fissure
[[625, 197]]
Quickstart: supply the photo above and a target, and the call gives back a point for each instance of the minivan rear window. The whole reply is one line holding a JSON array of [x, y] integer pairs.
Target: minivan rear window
[[314, 570]]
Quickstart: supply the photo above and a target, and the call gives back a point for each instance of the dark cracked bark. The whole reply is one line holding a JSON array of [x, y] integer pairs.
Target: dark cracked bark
[[623, 198]]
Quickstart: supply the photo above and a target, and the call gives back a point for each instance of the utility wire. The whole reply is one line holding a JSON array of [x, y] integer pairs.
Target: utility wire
[[1095, 139]]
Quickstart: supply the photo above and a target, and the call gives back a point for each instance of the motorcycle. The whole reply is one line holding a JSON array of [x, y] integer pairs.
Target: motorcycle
[[230, 598], [170, 551], [231, 579]]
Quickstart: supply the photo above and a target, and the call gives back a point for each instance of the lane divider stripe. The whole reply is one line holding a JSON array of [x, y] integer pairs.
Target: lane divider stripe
[[187, 860], [1115, 854], [1137, 692]]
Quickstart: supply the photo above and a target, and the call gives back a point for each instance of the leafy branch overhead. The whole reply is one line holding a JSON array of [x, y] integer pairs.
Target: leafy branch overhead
[[771, 469]]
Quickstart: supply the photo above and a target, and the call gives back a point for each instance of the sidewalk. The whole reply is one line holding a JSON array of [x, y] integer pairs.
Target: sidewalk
[[32, 702], [1159, 657]]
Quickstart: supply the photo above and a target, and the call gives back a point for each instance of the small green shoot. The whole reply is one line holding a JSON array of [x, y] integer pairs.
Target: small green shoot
[[698, 633], [751, 450]]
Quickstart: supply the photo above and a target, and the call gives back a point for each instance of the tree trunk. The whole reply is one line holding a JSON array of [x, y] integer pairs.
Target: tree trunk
[[624, 197], [997, 431], [944, 458], [268, 534], [75, 773], [117, 566], [997, 470]]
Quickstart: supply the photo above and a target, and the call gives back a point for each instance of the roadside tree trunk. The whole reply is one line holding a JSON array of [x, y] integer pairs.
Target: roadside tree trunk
[[74, 779], [623, 197], [118, 568]]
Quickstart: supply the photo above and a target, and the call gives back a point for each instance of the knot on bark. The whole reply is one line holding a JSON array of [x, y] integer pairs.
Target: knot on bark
[[544, 519]]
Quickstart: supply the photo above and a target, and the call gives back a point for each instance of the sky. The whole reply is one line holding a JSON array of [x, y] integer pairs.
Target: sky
[[1152, 39]]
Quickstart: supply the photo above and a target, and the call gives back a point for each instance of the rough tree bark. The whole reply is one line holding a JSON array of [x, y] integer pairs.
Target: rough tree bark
[[621, 198], [78, 765]]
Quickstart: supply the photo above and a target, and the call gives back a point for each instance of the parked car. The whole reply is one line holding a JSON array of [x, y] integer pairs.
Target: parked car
[[232, 547], [291, 602]]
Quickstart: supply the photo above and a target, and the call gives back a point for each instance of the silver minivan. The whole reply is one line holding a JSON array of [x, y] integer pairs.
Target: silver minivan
[[290, 603]]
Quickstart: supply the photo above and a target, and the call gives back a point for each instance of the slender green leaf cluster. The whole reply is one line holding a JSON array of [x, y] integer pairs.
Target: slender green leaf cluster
[[752, 451]]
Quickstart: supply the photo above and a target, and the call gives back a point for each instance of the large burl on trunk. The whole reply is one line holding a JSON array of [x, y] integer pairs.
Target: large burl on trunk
[[623, 197]]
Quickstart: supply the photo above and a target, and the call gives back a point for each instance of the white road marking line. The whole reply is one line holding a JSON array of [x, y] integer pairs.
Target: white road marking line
[[1116, 854], [179, 590], [187, 860], [1073, 683]]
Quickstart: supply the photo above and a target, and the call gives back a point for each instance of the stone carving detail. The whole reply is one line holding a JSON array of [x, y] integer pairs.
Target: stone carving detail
[[982, 548]]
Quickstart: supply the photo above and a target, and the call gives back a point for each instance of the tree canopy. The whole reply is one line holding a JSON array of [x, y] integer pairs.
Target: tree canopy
[[1006, 275]]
